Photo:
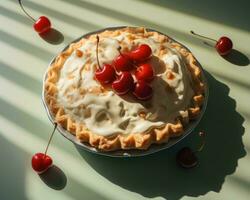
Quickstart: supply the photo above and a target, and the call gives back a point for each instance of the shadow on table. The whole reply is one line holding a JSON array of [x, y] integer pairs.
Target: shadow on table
[[54, 178], [12, 170], [159, 175], [213, 10], [237, 58], [53, 36]]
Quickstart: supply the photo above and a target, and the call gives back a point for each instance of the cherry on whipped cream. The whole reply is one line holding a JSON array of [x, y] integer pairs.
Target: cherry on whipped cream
[[143, 91], [123, 84], [141, 53], [122, 62], [144, 72], [106, 73]]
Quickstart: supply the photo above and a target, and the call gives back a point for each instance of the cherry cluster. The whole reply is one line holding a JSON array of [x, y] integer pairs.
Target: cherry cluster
[[129, 72]]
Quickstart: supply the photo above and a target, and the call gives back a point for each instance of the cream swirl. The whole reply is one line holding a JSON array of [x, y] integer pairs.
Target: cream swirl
[[106, 113]]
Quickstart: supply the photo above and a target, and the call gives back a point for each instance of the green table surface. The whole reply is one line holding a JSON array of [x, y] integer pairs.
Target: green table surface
[[223, 171]]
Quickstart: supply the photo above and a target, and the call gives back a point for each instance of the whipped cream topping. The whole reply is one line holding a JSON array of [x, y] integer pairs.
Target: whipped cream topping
[[106, 113]]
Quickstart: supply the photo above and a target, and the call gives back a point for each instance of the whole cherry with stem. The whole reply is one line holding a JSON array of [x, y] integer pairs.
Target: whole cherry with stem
[[124, 83], [223, 46], [186, 157], [122, 62], [142, 52], [106, 73], [143, 91], [41, 161], [41, 25]]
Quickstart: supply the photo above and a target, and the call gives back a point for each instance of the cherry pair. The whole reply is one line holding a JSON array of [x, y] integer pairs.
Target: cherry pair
[[120, 76]]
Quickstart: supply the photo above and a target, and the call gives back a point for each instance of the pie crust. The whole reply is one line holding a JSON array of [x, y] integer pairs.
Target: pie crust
[[141, 140]]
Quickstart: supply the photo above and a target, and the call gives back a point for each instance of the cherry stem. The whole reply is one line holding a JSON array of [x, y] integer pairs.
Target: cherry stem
[[21, 5], [55, 125], [202, 135], [97, 57], [192, 32], [119, 50]]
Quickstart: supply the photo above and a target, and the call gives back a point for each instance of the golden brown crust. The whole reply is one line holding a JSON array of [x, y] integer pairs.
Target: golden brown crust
[[121, 141]]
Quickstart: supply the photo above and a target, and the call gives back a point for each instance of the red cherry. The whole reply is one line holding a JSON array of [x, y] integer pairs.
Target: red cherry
[[42, 25], [41, 162], [106, 74], [123, 63], [186, 158], [123, 84], [145, 72], [141, 53], [143, 91], [224, 45]]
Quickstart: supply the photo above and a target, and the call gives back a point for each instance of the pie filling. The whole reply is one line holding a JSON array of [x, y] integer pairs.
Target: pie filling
[[105, 113]]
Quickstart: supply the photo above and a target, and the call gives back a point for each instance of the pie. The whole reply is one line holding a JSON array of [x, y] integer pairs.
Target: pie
[[96, 115]]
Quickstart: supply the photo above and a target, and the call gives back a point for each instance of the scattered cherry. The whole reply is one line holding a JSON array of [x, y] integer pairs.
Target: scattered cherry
[[223, 46], [144, 72], [106, 74], [186, 157], [123, 63], [123, 84], [41, 161], [141, 53], [143, 91], [42, 25]]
